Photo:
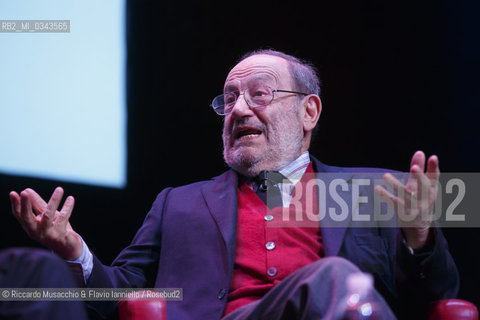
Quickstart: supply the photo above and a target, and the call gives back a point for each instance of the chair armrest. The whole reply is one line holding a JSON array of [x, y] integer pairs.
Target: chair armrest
[[450, 309], [453, 309], [136, 309]]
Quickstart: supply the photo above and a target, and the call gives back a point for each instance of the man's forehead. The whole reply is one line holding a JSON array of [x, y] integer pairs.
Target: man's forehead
[[260, 66]]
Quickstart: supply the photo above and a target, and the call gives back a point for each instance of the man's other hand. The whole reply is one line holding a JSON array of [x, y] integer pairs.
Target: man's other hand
[[414, 201]]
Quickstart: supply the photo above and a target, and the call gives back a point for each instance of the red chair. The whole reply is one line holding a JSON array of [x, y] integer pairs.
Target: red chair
[[451, 309], [132, 309]]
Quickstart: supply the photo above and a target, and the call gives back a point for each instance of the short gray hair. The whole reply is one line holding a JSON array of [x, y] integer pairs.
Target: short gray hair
[[303, 73]]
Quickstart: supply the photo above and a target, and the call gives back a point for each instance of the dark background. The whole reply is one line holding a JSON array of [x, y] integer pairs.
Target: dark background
[[397, 77]]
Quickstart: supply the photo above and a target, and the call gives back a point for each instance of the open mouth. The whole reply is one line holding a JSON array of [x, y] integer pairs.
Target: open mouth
[[246, 133]]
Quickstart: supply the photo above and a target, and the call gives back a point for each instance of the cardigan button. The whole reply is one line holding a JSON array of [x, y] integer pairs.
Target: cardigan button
[[272, 271], [268, 217], [221, 294], [270, 245]]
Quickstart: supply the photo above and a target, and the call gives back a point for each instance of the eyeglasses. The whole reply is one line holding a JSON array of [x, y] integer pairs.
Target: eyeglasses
[[258, 96]]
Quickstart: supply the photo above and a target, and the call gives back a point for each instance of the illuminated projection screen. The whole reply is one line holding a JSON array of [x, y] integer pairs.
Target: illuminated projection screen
[[62, 95]]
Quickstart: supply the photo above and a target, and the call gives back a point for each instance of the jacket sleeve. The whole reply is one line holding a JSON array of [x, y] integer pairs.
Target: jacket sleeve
[[422, 278], [136, 265]]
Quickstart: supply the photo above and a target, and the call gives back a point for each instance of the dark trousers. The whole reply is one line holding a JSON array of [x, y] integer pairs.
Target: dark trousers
[[35, 268], [313, 292]]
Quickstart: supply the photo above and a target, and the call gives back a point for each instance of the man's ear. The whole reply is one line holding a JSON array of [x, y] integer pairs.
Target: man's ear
[[313, 108]]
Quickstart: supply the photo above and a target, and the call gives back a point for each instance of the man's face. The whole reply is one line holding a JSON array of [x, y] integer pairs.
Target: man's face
[[263, 138]]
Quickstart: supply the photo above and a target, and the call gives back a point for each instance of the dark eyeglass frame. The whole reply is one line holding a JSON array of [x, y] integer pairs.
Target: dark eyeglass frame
[[219, 109]]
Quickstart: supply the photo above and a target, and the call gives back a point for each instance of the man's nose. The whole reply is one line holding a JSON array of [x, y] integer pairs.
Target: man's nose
[[241, 108]]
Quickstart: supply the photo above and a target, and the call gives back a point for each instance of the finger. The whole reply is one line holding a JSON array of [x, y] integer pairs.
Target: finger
[[418, 159], [15, 203], [38, 204], [53, 203], [396, 185], [420, 187], [381, 191], [433, 169], [406, 193], [420, 178], [397, 203], [26, 213], [392, 201], [67, 209], [414, 179]]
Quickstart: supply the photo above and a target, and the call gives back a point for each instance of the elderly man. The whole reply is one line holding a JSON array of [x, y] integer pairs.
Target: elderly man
[[216, 239]]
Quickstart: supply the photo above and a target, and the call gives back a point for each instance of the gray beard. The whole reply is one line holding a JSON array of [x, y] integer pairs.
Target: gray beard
[[248, 165], [284, 147]]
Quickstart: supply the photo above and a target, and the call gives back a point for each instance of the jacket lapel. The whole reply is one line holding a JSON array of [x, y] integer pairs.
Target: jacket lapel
[[221, 198], [333, 232]]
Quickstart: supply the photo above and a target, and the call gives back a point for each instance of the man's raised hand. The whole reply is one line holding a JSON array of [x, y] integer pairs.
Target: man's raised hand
[[414, 202], [44, 223]]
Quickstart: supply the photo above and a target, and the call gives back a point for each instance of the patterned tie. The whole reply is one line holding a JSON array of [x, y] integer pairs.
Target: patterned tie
[[268, 188]]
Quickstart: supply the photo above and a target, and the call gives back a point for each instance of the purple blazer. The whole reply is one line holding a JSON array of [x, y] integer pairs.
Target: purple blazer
[[188, 241]]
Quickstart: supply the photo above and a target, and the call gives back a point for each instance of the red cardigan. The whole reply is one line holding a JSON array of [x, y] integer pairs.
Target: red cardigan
[[263, 248]]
